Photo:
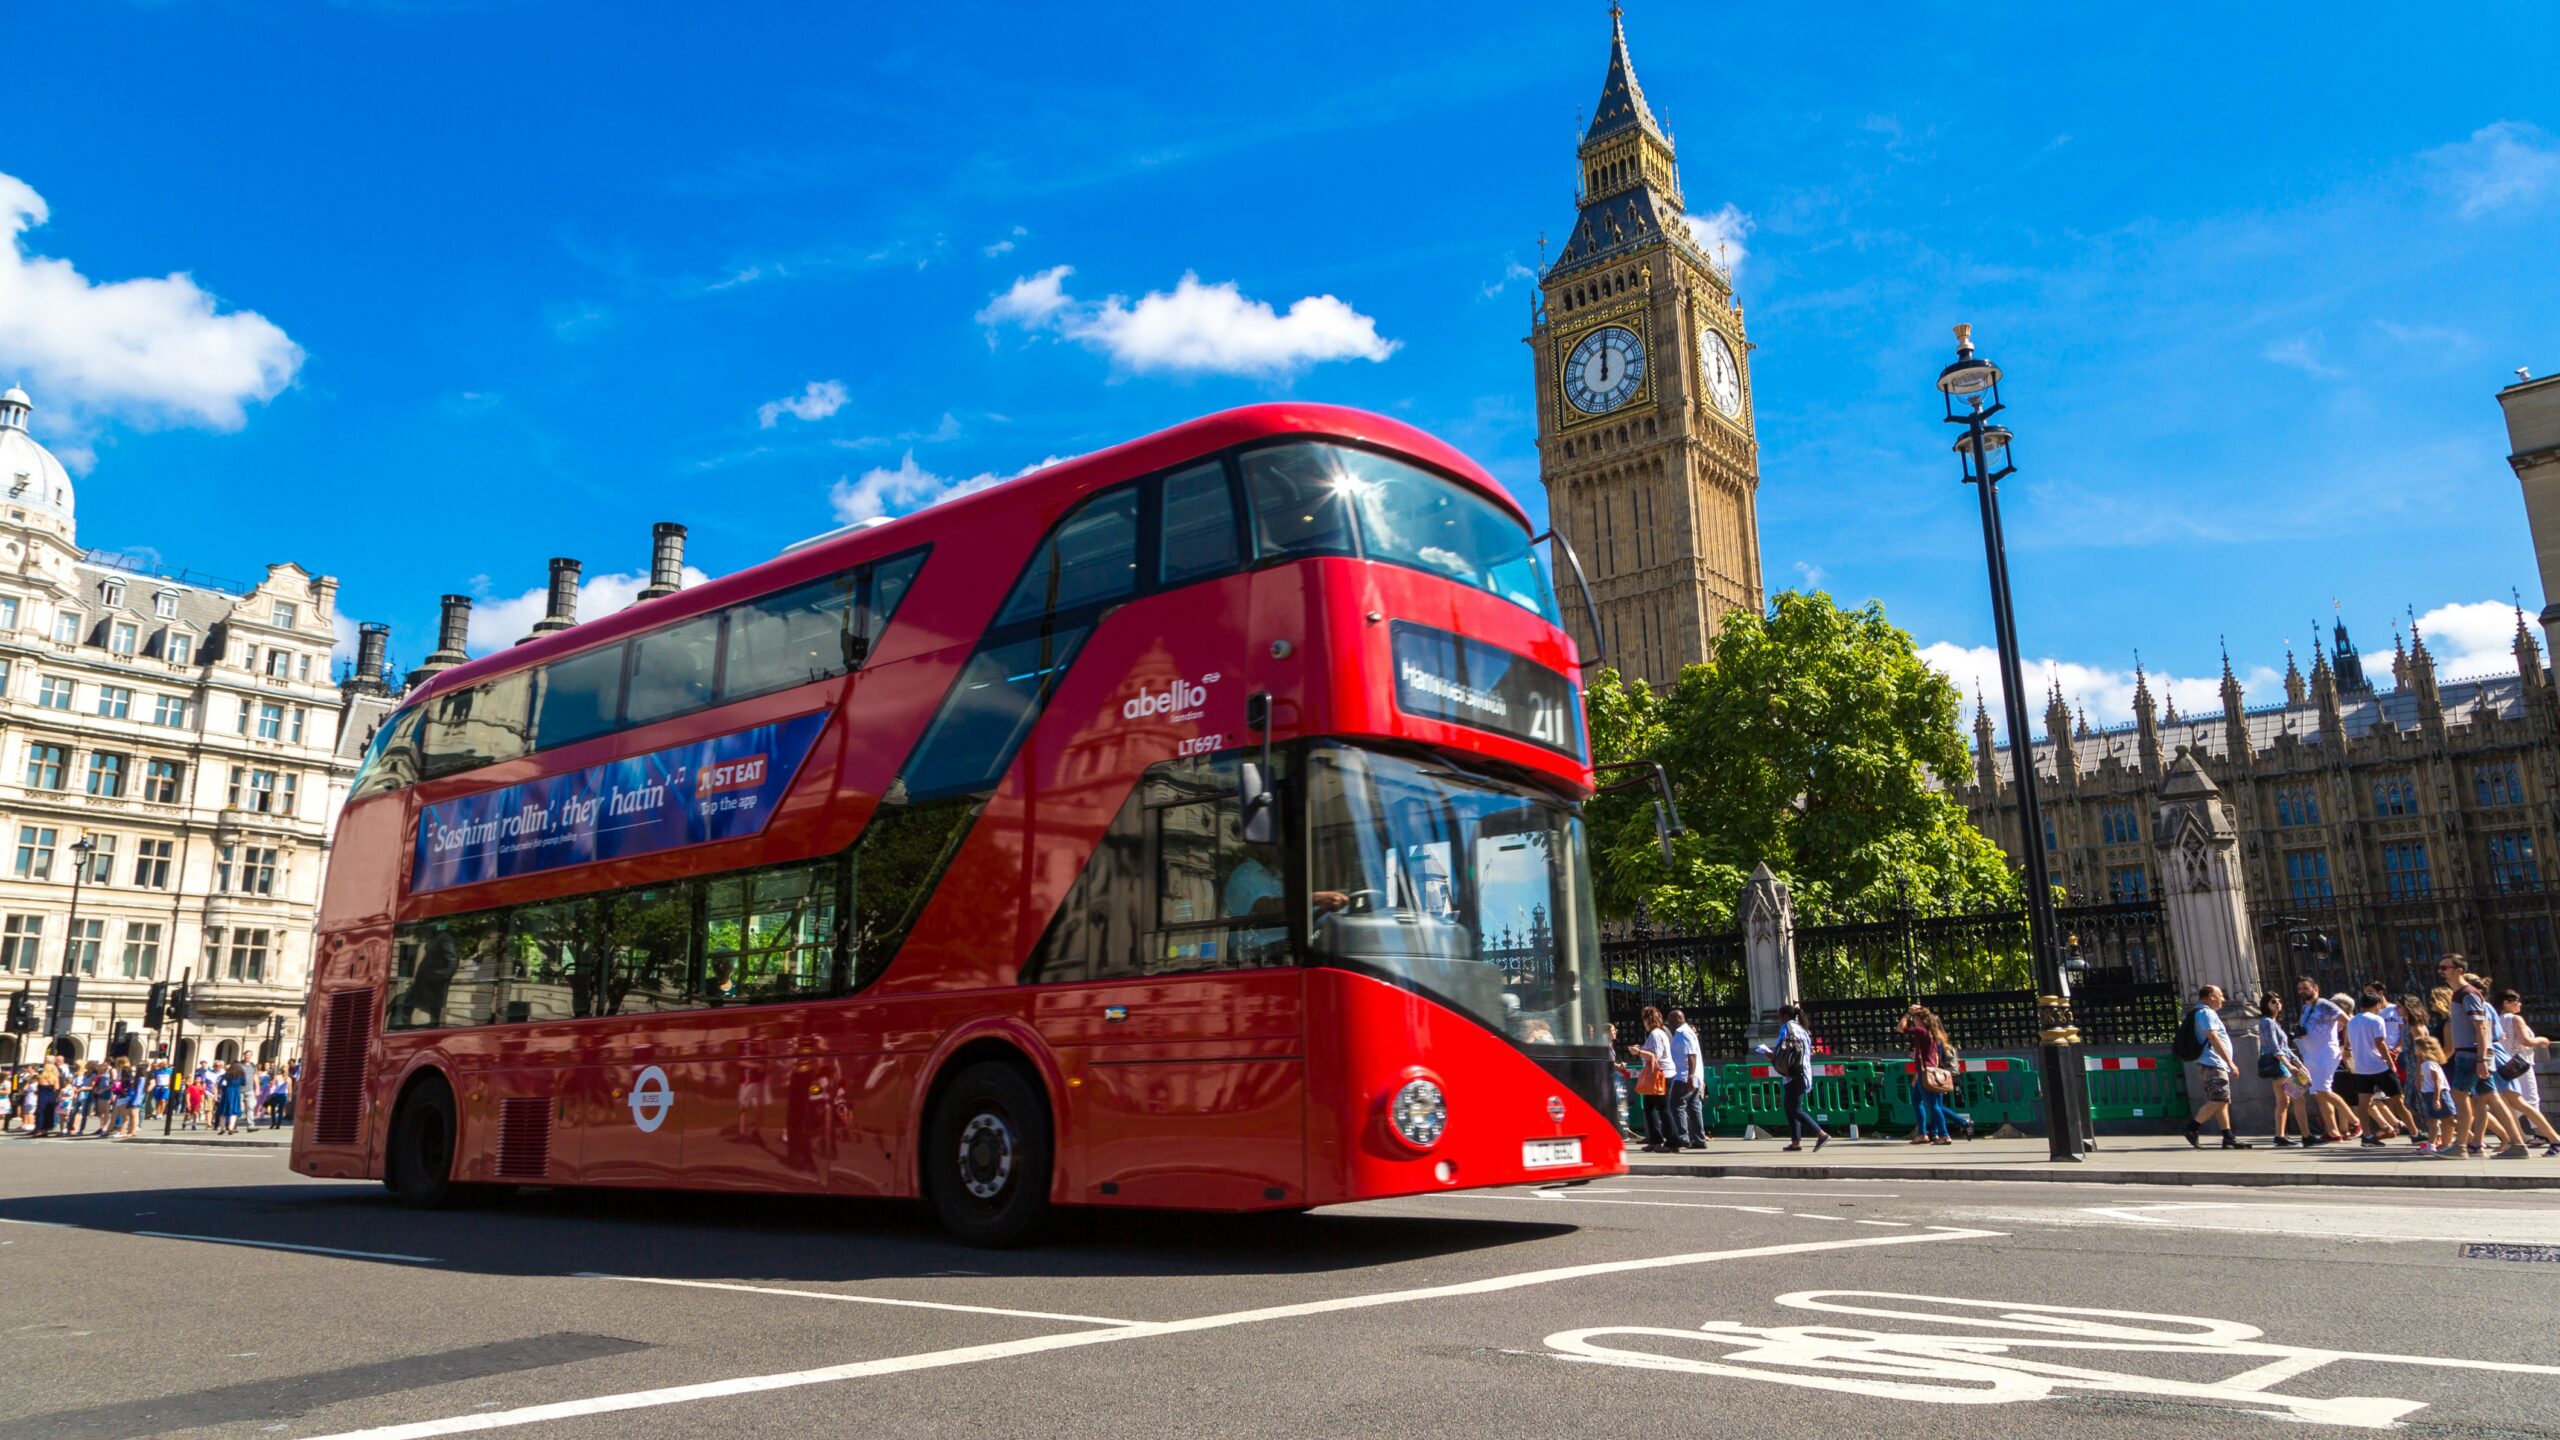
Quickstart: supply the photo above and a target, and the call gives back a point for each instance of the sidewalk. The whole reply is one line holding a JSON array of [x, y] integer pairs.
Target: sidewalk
[[246, 1140], [2118, 1160]]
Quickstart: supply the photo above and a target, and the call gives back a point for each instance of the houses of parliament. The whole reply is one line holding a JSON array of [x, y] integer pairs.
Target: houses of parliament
[[2397, 822]]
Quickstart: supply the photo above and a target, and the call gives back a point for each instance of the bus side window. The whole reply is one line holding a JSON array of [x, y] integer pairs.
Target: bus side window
[[448, 972], [1091, 558], [999, 693], [578, 698], [1199, 530], [674, 670], [1220, 900], [482, 725], [551, 974], [770, 934], [801, 634], [1299, 506], [891, 579], [648, 951]]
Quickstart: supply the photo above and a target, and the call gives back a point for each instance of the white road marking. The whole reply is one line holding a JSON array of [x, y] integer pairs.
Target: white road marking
[[1006, 1350], [280, 1245], [858, 1299], [1825, 1219], [1896, 1224], [2383, 1222], [1579, 1199], [1979, 1369], [1783, 1194]]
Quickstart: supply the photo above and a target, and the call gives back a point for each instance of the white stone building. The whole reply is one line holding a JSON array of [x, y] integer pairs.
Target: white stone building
[[172, 759]]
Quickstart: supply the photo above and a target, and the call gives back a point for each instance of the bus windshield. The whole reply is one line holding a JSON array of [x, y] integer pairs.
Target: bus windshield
[[1334, 500], [1474, 892]]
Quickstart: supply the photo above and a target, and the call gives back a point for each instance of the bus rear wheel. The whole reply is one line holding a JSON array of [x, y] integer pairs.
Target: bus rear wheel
[[987, 1151], [418, 1169]]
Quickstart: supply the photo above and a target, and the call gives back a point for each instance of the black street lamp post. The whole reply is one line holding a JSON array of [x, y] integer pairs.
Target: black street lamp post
[[1984, 451]]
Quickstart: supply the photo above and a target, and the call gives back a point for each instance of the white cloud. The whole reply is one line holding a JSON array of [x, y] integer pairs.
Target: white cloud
[[2106, 693], [1512, 270], [1721, 234], [2503, 165], [500, 621], [1813, 575], [149, 350], [911, 487], [1193, 328], [2302, 352], [821, 399], [2466, 639], [1004, 246]]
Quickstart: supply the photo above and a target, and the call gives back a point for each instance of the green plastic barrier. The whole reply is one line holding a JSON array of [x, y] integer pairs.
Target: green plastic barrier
[[2136, 1085], [1743, 1098], [2001, 1090], [1843, 1092]]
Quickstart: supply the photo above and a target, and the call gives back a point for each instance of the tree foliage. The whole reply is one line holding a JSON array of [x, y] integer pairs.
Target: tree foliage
[[1808, 743]]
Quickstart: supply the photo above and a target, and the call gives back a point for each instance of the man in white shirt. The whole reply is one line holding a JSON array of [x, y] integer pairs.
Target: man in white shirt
[[2368, 1079], [2323, 1038], [1689, 1069], [2395, 1028]]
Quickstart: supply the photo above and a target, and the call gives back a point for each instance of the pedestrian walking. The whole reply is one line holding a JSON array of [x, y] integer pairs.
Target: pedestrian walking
[[2522, 1041], [1932, 1074], [2367, 1081], [2320, 1039], [1654, 1085], [234, 1098], [2214, 1068], [1793, 1060], [2435, 1097], [2395, 1039], [193, 1095], [1688, 1084], [2282, 1069], [2480, 1094], [280, 1101], [48, 1097]]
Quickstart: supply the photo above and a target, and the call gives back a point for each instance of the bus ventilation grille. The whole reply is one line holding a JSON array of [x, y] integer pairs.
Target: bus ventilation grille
[[524, 1138], [340, 1083]]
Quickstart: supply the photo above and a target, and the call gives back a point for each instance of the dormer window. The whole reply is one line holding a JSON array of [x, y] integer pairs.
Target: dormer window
[[122, 640], [66, 628], [114, 592], [181, 648], [165, 605]]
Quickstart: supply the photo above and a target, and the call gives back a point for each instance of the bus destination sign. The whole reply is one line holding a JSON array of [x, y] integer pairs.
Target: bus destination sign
[[1441, 676], [723, 788]]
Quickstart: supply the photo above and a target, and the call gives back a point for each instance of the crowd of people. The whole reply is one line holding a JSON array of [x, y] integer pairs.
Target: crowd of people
[[2450, 1071], [109, 1099]]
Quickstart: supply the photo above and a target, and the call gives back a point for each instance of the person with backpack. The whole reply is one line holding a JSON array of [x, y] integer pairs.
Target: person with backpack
[[1792, 1058], [2203, 1042]]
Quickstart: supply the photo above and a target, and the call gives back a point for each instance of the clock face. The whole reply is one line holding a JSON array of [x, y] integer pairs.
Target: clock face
[[1604, 371], [1722, 377]]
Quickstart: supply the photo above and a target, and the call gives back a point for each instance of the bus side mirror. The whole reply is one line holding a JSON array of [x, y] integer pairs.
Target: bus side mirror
[[1261, 808]]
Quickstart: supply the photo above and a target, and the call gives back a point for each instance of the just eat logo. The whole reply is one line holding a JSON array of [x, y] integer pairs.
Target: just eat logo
[[729, 775]]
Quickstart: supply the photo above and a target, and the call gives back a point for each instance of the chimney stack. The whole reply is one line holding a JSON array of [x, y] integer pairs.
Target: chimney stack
[[373, 653], [666, 560], [452, 634], [563, 610]]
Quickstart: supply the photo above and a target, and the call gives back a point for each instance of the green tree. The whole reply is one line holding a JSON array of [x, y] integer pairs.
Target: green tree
[[1807, 743]]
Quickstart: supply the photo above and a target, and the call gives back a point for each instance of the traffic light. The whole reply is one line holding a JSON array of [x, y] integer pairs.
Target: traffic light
[[155, 1010], [182, 1004], [124, 1043], [62, 1004], [22, 1012]]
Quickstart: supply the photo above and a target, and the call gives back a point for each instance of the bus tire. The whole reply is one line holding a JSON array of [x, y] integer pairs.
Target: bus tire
[[418, 1168], [987, 1156]]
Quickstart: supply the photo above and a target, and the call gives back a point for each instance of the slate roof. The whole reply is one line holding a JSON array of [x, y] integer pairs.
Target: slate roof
[[1621, 104], [199, 608]]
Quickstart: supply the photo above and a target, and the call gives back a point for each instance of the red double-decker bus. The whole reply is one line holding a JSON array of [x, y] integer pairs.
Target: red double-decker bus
[[1192, 824]]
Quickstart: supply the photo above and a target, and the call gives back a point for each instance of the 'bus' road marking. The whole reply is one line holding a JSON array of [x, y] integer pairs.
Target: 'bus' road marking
[[280, 1245], [1144, 1330], [857, 1299]]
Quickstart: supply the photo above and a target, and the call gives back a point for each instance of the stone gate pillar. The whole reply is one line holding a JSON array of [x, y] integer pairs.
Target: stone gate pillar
[[2196, 851], [1767, 914]]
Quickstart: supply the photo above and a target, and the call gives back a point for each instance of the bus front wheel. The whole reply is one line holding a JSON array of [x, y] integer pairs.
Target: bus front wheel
[[987, 1149], [419, 1167]]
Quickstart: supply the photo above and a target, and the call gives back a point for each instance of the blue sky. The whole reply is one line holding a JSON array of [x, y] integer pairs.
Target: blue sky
[[466, 285]]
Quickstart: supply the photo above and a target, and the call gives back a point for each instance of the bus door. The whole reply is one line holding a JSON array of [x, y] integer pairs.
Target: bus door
[[758, 1097]]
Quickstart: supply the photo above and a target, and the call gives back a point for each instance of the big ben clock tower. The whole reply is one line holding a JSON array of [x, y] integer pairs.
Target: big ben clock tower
[[1644, 403]]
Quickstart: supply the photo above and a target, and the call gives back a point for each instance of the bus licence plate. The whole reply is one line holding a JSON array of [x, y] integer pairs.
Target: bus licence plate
[[1548, 1154]]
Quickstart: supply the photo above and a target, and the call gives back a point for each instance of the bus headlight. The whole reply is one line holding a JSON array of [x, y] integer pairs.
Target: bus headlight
[[1420, 1113]]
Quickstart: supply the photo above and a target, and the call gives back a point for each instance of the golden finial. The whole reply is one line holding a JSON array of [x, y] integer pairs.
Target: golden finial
[[1964, 337]]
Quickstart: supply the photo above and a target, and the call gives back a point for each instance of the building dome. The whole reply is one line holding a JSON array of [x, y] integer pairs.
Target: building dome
[[30, 477]]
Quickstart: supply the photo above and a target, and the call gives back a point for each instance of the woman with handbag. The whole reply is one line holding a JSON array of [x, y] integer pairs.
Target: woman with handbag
[[1660, 1136], [1932, 1074], [2282, 1068], [2524, 1045]]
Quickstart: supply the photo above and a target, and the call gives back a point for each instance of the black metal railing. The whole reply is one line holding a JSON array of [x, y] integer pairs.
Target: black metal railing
[[2509, 933]]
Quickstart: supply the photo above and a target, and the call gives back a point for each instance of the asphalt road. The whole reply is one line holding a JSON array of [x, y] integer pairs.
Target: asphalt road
[[1639, 1307]]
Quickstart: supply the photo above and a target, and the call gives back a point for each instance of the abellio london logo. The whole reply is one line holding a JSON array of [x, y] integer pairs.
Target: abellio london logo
[[1181, 700]]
